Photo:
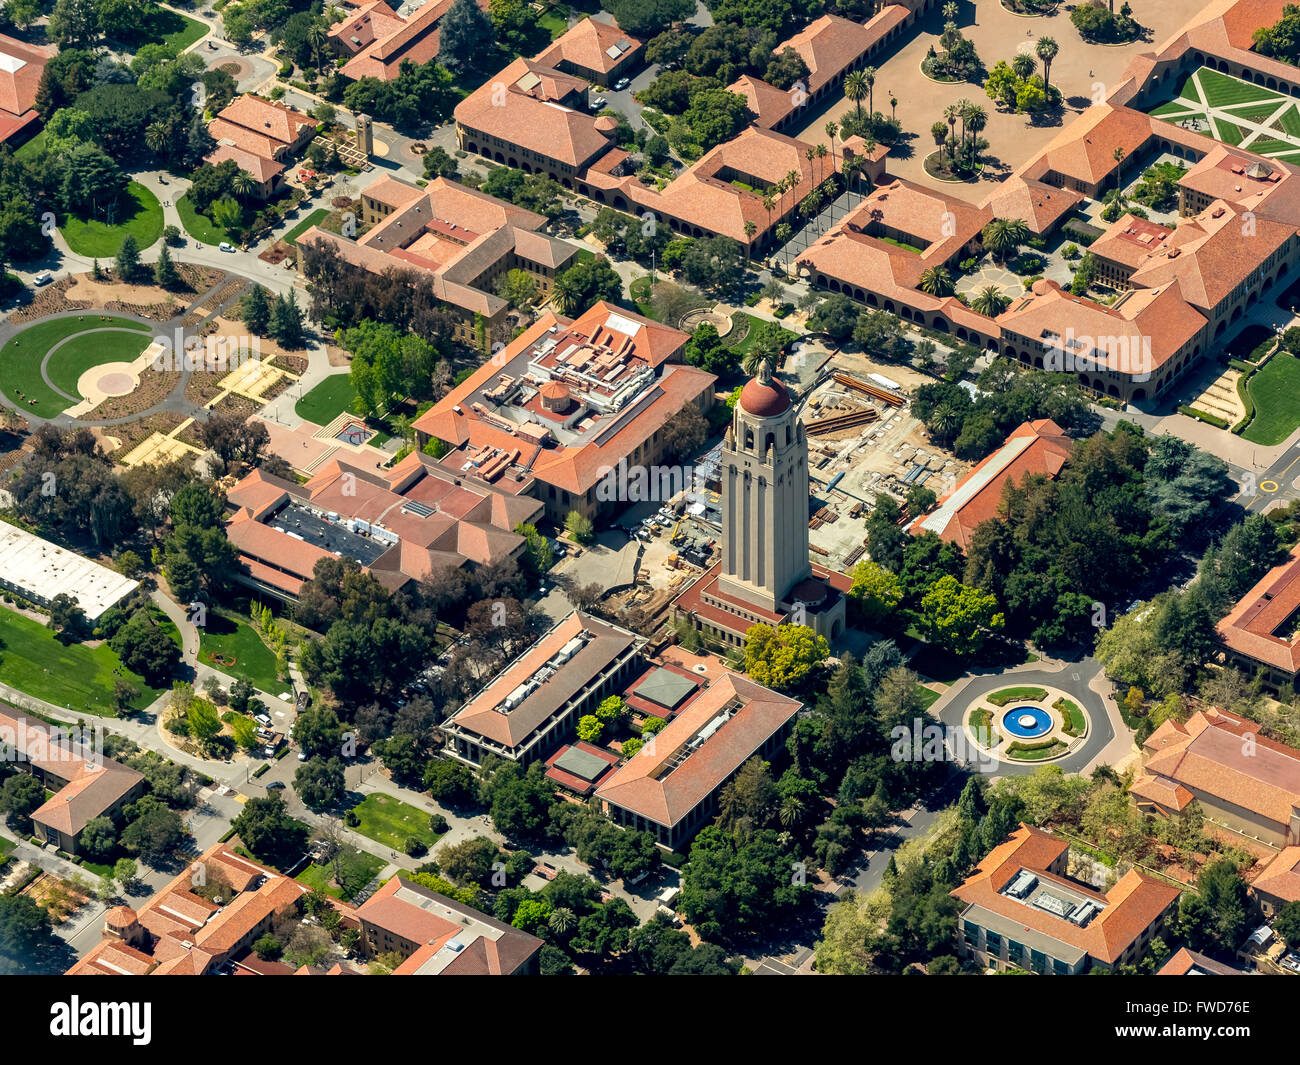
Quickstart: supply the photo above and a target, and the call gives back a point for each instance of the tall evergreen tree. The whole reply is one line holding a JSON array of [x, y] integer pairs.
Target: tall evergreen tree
[[128, 259], [164, 270], [255, 311]]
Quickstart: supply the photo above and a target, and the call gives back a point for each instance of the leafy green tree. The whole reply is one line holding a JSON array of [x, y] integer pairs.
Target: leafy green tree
[[319, 782], [959, 617], [1215, 915], [782, 658], [876, 590]]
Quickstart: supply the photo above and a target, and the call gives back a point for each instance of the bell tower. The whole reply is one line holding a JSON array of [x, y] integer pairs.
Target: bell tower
[[764, 497]]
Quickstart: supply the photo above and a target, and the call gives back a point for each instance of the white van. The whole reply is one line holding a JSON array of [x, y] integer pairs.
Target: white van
[[43, 278]]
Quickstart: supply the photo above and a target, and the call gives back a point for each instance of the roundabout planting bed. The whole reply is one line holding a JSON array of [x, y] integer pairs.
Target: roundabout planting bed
[[1026, 724]]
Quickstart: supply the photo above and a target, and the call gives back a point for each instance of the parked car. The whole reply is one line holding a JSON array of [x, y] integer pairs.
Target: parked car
[[263, 719], [43, 278], [225, 246], [275, 785], [302, 756], [622, 84]]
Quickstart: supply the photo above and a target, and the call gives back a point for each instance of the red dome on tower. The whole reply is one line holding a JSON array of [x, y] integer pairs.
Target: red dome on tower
[[764, 399]]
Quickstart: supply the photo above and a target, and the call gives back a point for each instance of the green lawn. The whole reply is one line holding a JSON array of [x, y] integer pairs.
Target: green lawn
[[139, 213], [177, 30], [1269, 146], [1276, 393], [76, 676], [1228, 133], [1289, 122], [357, 869], [314, 219], [744, 345], [1052, 750], [199, 226], [69, 362], [902, 244], [1221, 90], [390, 821], [232, 638], [555, 20], [332, 397], [21, 357], [32, 147], [1006, 695], [928, 696], [1256, 112], [1075, 722]]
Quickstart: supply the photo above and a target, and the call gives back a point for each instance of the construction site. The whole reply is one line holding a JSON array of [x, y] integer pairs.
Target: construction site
[[862, 441]]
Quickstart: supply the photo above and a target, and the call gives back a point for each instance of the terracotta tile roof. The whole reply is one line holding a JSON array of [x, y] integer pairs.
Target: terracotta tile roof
[[261, 168], [21, 67], [456, 235], [484, 714], [1136, 335], [461, 418], [455, 940], [1084, 149], [92, 784], [699, 750], [703, 194], [1222, 756], [1183, 962], [365, 25], [267, 118], [246, 140], [1281, 877], [1130, 907], [416, 39], [1207, 256], [588, 44], [1040, 205], [1130, 241], [1039, 447], [534, 116], [770, 106], [191, 936], [1257, 626], [830, 45]]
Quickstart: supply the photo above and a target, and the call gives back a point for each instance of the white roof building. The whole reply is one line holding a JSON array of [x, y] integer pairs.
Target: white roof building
[[39, 570]]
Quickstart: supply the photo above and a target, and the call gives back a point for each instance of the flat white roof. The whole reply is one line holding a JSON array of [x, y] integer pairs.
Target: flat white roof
[[937, 521], [43, 570], [11, 64]]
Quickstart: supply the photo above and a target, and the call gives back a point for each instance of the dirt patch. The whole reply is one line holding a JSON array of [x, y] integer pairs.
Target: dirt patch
[[154, 387], [337, 356], [51, 300], [58, 897]]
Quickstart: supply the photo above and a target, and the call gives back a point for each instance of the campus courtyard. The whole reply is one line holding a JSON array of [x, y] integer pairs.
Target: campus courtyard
[[1083, 72], [1237, 113]]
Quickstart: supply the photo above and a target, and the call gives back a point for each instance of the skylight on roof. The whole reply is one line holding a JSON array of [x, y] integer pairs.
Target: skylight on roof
[[621, 324], [11, 64]]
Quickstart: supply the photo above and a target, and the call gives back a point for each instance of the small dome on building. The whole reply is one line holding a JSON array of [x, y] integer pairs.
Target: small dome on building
[[764, 399]]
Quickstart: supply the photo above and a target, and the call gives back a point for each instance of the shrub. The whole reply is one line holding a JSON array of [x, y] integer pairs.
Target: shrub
[[438, 824], [414, 846]]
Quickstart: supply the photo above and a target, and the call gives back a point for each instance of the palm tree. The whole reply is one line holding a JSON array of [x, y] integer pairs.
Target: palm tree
[[964, 109], [989, 301], [1047, 48], [855, 90], [769, 201], [243, 185], [939, 131], [869, 79], [561, 920], [1023, 65], [950, 11], [975, 123], [950, 116], [821, 154], [564, 294], [893, 106], [791, 810], [944, 419], [317, 37], [936, 281], [831, 130], [156, 136], [810, 154], [1118, 156], [751, 228], [783, 239]]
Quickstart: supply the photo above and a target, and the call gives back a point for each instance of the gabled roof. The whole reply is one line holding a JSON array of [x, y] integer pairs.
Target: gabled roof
[[1281, 877], [1039, 447], [532, 116], [1223, 756], [1040, 205], [268, 118], [21, 67], [1192, 963], [829, 46], [1085, 148], [591, 45], [1260, 625], [708, 740]]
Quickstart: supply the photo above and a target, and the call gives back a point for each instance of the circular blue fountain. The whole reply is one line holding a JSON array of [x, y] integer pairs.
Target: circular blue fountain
[[1027, 722]]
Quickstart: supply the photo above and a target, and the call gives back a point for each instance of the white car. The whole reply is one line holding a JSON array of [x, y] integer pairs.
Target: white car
[[43, 278], [598, 103], [622, 84], [263, 719], [224, 246]]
